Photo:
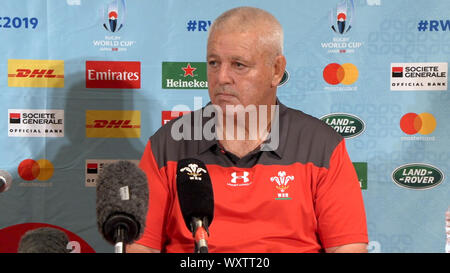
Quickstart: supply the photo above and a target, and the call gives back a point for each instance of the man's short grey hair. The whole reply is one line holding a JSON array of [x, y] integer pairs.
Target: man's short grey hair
[[243, 19]]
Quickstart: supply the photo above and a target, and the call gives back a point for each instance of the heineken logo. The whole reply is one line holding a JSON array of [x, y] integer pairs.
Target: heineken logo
[[184, 75], [346, 125], [417, 176]]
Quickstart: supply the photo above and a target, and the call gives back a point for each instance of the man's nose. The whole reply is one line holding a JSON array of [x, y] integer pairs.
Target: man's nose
[[224, 74]]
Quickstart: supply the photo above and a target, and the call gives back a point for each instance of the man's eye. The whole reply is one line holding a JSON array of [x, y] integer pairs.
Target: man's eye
[[212, 63]]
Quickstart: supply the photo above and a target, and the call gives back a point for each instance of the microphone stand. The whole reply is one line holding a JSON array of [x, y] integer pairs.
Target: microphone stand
[[120, 246], [2, 184], [120, 229], [200, 233]]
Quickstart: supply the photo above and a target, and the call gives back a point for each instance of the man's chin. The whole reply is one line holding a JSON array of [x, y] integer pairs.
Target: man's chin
[[230, 102], [231, 109]]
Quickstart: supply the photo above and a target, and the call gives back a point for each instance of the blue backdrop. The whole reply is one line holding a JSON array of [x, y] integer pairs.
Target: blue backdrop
[[86, 82]]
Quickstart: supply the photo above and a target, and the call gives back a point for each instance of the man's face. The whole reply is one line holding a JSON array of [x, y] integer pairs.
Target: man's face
[[239, 71]]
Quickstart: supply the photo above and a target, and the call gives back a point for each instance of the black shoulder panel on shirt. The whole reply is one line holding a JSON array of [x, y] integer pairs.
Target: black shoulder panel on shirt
[[302, 138], [166, 147]]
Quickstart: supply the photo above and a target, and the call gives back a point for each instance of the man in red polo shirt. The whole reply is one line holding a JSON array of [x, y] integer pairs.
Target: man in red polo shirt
[[291, 187]]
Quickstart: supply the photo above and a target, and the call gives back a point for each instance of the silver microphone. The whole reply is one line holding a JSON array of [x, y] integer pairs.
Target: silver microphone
[[5, 181]]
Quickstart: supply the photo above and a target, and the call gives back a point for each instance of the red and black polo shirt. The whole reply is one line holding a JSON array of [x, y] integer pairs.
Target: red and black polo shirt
[[301, 196]]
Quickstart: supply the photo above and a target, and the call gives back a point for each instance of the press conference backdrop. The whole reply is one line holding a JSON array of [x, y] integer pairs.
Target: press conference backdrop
[[84, 83]]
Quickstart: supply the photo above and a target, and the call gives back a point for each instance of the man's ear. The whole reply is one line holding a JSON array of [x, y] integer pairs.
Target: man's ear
[[279, 66]]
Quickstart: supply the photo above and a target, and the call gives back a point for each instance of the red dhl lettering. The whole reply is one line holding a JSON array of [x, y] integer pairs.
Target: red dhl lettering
[[112, 124], [36, 73]]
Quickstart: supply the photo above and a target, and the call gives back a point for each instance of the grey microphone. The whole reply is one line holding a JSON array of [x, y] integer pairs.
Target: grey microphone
[[44, 240], [5, 181], [122, 203]]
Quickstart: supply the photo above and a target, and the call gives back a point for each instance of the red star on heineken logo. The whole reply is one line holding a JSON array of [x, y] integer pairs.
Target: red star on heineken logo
[[188, 70]]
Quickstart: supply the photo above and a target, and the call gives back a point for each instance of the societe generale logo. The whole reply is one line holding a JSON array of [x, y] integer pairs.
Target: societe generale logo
[[419, 76], [35, 73], [113, 74], [95, 166]]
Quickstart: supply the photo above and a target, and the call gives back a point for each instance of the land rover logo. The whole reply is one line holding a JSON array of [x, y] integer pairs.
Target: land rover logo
[[345, 124], [417, 176]]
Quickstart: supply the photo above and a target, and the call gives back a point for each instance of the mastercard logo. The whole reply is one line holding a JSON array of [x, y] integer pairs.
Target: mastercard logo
[[340, 73], [41, 169], [413, 123]]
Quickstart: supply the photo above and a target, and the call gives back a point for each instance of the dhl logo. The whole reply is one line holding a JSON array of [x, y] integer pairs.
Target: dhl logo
[[35, 73], [113, 124]]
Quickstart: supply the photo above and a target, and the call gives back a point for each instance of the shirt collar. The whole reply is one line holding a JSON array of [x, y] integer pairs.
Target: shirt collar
[[274, 144]]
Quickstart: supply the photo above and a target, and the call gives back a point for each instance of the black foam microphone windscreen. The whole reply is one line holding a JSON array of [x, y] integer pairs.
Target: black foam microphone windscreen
[[195, 192], [44, 240], [122, 201]]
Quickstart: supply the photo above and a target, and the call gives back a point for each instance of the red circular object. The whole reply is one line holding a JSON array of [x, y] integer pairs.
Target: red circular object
[[112, 15], [333, 73], [411, 123], [341, 17], [28, 169]]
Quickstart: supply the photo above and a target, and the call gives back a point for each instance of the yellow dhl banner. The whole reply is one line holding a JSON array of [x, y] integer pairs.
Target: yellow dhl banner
[[35, 73], [113, 124]]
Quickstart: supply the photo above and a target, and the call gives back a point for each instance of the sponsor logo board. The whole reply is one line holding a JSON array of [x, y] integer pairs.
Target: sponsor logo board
[[35, 123], [419, 76], [417, 176], [113, 124], [95, 166], [347, 125], [113, 74], [35, 73]]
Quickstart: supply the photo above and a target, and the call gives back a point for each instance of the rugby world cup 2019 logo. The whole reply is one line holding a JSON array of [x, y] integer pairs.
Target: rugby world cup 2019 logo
[[114, 16], [112, 19], [341, 20], [341, 17]]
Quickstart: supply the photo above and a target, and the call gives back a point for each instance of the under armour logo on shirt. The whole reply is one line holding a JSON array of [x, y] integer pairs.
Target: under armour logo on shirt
[[235, 177], [239, 179]]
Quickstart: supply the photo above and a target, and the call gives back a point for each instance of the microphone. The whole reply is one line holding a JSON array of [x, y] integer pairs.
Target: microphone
[[44, 240], [196, 198], [5, 181], [122, 203]]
